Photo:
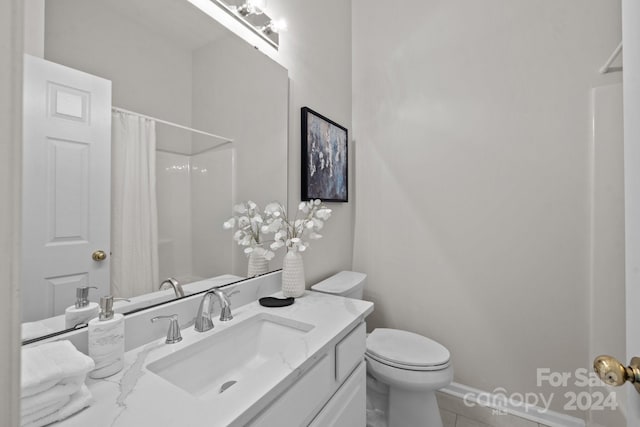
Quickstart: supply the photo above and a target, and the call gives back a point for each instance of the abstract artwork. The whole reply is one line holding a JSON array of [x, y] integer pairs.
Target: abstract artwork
[[324, 158]]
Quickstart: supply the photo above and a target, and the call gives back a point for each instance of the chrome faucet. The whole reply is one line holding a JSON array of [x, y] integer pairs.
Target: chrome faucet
[[177, 288], [203, 318]]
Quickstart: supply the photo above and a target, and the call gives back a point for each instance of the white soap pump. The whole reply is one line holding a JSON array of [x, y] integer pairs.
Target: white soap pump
[[106, 339], [83, 310]]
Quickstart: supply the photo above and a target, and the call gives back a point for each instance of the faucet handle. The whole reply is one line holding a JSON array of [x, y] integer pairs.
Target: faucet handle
[[225, 305], [173, 334]]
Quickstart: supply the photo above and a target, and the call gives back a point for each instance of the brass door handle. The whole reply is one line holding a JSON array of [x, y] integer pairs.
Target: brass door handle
[[99, 256], [614, 373]]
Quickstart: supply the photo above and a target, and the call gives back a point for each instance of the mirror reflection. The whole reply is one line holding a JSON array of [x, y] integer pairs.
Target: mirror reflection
[[148, 121]]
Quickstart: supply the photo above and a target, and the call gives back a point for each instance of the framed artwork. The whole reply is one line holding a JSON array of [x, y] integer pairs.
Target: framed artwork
[[324, 158]]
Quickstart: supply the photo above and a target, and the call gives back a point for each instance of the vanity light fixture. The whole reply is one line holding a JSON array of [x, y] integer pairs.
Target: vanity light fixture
[[250, 7], [253, 14], [275, 26]]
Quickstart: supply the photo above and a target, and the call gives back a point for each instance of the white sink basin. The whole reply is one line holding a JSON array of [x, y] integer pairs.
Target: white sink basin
[[211, 366]]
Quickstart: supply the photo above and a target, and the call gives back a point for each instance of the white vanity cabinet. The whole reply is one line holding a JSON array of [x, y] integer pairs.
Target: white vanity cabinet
[[346, 408], [330, 393]]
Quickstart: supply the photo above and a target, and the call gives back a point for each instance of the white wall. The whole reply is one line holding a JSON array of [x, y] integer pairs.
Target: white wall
[[241, 93], [173, 177], [211, 199], [10, 171], [316, 49], [151, 74], [473, 184]]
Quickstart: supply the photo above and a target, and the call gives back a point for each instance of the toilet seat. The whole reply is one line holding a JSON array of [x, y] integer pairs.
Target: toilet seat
[[406, 350], [407, 379]]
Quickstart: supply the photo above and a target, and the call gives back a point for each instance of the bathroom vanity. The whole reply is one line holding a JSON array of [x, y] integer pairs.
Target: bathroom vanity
[[288, 366]]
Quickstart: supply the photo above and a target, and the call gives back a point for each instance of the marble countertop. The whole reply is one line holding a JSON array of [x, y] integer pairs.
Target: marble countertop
[[137, 397]]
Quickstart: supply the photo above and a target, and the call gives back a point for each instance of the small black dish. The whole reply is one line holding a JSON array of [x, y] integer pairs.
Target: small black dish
[[276, 302]]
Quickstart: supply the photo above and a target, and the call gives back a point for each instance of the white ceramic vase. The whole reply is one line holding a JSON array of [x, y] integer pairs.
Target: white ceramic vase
[[293, 274], [258, 264]]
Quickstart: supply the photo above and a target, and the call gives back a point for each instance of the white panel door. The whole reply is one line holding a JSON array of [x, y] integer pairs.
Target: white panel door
[[66, 186]]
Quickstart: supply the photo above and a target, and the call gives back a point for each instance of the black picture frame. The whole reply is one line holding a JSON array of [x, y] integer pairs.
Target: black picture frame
[[325, 158]]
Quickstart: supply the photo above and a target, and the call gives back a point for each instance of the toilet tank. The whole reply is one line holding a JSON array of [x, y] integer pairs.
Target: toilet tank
[[348, 284]]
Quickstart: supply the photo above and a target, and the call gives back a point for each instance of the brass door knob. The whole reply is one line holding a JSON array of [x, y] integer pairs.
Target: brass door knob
[[99, 256], [614, 373]]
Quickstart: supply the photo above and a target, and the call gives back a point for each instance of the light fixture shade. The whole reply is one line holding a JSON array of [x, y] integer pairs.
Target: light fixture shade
[[279, 25], [260, 4]]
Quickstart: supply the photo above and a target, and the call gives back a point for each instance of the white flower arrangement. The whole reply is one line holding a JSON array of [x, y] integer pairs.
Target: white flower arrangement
[[249, 222], [308, 221]]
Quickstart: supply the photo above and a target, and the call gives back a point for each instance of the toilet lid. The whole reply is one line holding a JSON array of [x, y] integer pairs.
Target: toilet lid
[[403, 348]]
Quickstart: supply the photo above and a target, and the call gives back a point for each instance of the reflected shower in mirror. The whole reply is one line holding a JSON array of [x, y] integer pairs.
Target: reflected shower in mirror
[[164, 63]]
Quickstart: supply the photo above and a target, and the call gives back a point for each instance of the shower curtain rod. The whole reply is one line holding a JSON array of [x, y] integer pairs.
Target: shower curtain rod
[[201, 132], [607, 66]]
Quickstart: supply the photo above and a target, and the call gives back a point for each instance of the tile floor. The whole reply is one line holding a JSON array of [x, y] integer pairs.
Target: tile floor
[[456, 414]]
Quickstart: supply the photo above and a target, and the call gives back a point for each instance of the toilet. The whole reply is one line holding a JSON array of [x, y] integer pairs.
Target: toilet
[[404, 369]]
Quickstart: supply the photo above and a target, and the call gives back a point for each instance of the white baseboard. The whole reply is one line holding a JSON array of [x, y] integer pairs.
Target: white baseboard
[[528, 412]]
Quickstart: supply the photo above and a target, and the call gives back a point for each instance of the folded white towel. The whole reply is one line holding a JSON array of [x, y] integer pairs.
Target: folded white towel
[[62, 390], [34, 330], [48, 364], [80, 400], [44, 411]]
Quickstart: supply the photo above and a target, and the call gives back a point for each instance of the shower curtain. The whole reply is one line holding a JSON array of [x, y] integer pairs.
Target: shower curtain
[[134, 211]]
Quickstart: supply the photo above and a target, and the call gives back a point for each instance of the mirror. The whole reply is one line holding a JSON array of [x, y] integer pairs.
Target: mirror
[[166, 60]]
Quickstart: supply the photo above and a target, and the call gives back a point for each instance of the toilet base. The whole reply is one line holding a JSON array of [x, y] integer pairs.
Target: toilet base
[[411, 408]]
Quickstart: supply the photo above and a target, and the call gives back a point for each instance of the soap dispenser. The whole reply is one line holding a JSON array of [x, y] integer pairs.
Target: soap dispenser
[[83, 310], [106, 340]]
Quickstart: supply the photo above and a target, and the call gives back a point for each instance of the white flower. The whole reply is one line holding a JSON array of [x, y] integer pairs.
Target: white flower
[[250, 224], [267, 254], [272, 208], [287, 231], [274, 226], [243, 221], [324, 213], [277, 245]]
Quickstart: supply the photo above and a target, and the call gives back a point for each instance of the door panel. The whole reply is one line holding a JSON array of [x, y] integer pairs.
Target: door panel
[[631, 95], [66, 185]]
